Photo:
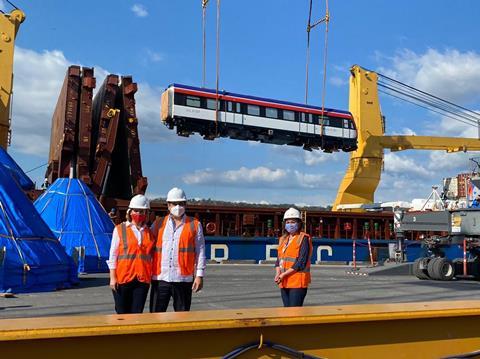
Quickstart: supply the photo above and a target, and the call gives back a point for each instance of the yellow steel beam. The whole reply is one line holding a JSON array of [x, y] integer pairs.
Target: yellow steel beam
[[449, 144], [9, 24], [404, 330], [363, 173]]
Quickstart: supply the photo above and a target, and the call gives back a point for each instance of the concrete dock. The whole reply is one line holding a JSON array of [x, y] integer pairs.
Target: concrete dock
[[231, 286]]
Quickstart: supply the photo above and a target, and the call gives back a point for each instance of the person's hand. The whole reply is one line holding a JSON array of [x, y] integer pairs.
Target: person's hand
[[277, 276], [197, 284], [113, 283]]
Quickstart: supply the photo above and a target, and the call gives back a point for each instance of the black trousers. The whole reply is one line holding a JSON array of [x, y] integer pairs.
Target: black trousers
[[293, 297], [162, 291], [130, 297]]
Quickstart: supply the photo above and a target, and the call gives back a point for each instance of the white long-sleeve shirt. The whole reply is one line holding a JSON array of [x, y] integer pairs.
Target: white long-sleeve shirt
[[112, 260], [170, 271]]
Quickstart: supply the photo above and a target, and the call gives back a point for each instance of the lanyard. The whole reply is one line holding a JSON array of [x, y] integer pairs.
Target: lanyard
[[289, 240]]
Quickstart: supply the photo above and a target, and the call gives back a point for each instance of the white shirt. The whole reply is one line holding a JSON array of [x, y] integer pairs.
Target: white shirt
[[170, 271], [112, 260]]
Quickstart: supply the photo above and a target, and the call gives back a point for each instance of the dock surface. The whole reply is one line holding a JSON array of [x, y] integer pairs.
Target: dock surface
[[230, 286]]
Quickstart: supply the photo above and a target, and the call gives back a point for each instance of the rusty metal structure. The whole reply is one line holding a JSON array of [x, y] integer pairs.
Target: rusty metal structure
[[64, 124], [96, 139]]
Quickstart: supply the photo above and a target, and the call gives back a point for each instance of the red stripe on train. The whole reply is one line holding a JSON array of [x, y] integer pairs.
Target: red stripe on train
[[257, 102]]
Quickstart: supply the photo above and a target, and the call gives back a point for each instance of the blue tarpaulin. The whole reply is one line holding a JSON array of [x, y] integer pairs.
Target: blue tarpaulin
[[31, 259], [80, 223], [17, 173]]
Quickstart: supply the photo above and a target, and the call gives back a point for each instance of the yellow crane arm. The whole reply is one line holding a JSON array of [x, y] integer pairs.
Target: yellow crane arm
[[9, 24], [363, 174], [449, 144]]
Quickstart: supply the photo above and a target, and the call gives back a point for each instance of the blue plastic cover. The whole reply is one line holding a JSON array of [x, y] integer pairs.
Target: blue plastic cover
[[22, 179], [79, 221], [31, 259]]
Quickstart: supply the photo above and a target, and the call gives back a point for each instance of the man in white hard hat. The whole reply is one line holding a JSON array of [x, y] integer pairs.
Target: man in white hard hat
[[292, 269], [130, 260], [179, 256]]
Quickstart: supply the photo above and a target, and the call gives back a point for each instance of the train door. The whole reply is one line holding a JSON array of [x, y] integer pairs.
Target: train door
[[346, 131], [306, 124], [235, 109]]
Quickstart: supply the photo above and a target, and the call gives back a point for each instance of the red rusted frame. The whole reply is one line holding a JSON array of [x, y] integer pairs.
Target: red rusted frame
[[64, 127], [106, 119], [129, 118], [85, 125]]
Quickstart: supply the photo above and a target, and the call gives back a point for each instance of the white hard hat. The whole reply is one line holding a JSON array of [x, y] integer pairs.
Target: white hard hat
[[139, 202], [292, 213], [176, 195]]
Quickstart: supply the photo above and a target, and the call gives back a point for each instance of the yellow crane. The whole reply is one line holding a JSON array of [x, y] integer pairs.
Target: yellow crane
[[363, 173], [9, 24]]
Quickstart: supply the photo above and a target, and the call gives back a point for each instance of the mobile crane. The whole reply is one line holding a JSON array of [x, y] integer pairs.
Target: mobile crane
[[9, 25]]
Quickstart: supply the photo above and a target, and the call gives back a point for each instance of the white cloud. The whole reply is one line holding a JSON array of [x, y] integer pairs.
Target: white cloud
[[151, 128], [452, 162], [338, 81], [309, 158], [139, 10], [38, 80], [154, 56], [405, 132], [37, 84], [402, 164], [450, 74], [255, 177], [316, 157]]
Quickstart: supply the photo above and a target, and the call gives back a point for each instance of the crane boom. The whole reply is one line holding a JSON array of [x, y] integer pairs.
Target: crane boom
[[9, 24], [449, 144], [363, 174]]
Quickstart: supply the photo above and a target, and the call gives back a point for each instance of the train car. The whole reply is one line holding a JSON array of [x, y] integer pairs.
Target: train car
[[198, 110]]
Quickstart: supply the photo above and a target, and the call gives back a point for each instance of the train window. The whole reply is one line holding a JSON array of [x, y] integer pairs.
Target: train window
[[253, 110], [315, 119], [271, 112], [310, 118], [229, 106], [335, 122], [302, 116], [179, 99], [288, 115], [326, 121], [211, 103], [193, 101], [345, 123], [239, 107]]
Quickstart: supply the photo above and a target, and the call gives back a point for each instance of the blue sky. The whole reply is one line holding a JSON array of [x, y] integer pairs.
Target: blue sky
[[432, 45]]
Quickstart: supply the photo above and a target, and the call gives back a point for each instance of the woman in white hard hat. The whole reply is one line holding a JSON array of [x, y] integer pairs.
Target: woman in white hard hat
[[179, 256], [292, 269], [130, 261]]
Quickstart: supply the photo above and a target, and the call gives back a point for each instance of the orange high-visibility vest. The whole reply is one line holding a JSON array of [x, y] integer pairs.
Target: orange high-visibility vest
[[186, 245], [287, 256], [134, 261]]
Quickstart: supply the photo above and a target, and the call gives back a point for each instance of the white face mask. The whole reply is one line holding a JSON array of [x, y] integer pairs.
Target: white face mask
[[177, 211]]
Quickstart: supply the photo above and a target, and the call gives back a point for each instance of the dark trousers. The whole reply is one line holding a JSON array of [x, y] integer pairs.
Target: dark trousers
[[162, 291], [130, 297], [293, 297]]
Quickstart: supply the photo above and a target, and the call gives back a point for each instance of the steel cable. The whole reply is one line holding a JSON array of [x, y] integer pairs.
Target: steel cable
[[428, 101], [431, 106], [434, 103], [217, 68]]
